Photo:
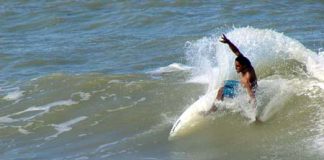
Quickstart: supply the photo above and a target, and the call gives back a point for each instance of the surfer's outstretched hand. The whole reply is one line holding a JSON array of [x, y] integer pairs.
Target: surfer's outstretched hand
[[224, 39]]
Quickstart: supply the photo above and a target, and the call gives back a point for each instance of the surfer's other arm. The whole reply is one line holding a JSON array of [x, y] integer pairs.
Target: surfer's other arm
[[245, 80], [249, 88], [234, 49]]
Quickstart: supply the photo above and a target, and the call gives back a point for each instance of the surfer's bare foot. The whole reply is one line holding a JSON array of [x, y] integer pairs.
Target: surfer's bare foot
[[257, 119], [213, 108]]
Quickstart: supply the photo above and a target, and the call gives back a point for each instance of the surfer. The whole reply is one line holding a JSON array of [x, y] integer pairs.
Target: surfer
[[248, 77]]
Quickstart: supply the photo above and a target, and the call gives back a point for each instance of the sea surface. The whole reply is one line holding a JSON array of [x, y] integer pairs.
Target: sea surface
[[106, 79]]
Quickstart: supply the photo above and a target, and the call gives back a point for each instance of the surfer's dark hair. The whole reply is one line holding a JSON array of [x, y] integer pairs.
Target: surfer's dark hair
[[243, 61]]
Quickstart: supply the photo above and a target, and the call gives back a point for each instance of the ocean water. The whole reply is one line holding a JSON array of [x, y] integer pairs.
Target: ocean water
[[88, 80]]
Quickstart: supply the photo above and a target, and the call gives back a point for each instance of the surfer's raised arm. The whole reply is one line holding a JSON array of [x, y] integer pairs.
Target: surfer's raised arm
[[234, 49]]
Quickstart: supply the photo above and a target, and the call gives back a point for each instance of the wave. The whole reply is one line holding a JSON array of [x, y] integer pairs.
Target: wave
[[290, 79], [264, 47], [275, 57]]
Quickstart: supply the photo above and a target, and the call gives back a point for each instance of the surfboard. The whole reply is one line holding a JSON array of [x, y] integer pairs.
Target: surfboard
[[192, 116], [197, 112]]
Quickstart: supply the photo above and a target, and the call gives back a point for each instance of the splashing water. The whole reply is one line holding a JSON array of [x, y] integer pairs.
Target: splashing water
[[281, 63]]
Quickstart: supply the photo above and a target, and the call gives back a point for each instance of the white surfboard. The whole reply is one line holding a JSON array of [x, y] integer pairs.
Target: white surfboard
[[196, 113], [192, 116]]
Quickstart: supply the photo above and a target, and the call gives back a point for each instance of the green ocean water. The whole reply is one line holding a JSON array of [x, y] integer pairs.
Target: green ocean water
[[107, 79]]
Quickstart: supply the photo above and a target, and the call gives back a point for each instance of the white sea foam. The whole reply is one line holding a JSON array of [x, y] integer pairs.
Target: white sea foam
[[103, 98], [174, 67], [205, 78], [82, 158], [321, 85], [319, 144], [112, 95], [23, 131], [127, 97], [84, 96], [41, 110], [315, 66], [114, 81], [7, 119], [319, 138], [127, 107], [15, 95], [272, 95], [202, 79], [65, 127], [150, 131]]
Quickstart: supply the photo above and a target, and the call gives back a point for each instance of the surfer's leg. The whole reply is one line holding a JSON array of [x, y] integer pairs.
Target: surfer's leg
[[213, 108], [219, 97], [220, 94]]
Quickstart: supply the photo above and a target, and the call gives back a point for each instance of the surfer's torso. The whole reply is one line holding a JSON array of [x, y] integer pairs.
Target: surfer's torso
[[249, 81]]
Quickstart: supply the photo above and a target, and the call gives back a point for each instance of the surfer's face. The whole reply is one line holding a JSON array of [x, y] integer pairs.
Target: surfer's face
[[238, 67]]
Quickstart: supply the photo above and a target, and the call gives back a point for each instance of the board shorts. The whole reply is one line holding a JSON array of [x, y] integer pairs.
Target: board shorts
[[230, 88]]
